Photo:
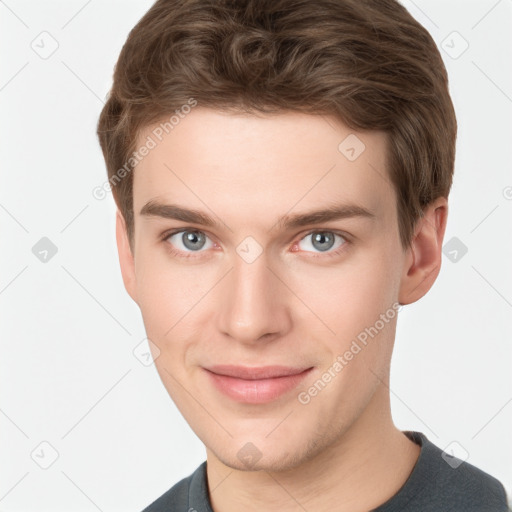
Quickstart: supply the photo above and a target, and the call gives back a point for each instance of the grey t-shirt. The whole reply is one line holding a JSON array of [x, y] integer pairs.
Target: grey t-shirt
[[436, 484]]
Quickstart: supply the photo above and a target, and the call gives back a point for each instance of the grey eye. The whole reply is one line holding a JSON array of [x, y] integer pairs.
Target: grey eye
[[189, 240], [193, 240], [321, 241]]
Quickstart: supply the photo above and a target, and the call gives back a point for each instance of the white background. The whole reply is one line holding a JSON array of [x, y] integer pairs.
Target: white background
[[68, 376]]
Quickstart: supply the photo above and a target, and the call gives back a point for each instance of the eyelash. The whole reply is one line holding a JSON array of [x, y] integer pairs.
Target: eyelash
[[332, 254]]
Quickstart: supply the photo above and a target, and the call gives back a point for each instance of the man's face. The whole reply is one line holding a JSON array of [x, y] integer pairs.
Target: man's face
[[251, 291]]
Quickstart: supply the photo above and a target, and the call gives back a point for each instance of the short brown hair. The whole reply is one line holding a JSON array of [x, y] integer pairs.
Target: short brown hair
[[367, 62]]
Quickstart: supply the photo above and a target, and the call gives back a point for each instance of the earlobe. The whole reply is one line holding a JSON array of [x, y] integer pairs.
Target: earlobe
[[126, 259], [423, 261]]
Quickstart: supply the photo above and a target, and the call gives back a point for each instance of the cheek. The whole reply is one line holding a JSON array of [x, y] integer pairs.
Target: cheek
[[356, 302], [351, 295], [169, 294]]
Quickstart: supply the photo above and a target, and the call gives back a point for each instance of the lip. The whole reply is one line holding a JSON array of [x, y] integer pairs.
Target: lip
[[255, 385]]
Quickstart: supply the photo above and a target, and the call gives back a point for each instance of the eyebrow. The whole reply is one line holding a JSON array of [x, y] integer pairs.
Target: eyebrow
[[286, 222]]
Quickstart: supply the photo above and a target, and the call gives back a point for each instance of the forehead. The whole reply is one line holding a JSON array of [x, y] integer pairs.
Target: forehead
[[247, 167]]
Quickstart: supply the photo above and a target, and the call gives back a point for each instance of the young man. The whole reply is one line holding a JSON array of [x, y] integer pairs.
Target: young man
[[281, 170]]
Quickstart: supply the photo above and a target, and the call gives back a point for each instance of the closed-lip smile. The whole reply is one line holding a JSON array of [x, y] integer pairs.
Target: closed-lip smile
[[256, 385]]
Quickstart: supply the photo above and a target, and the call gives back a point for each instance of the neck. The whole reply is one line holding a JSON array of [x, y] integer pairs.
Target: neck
[[362, 469]]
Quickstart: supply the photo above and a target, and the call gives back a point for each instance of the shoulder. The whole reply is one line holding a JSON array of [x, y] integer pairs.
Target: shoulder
[[174, 499], [455, 484], [178, 496], [474, 489]]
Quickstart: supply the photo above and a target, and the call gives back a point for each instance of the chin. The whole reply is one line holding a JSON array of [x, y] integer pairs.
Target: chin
[[275, 463], [269, 455]]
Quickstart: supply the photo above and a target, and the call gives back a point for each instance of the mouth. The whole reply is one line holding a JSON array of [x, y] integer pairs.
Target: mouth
[[256, 385]]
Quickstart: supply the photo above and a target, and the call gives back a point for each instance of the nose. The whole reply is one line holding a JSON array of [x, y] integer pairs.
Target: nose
[[254, 303]]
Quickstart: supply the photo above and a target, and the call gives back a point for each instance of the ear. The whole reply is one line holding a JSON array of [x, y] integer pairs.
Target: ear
[[126, 259], [423, 259]]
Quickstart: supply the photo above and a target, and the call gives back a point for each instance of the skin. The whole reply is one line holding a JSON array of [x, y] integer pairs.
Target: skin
[[294, 305]]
